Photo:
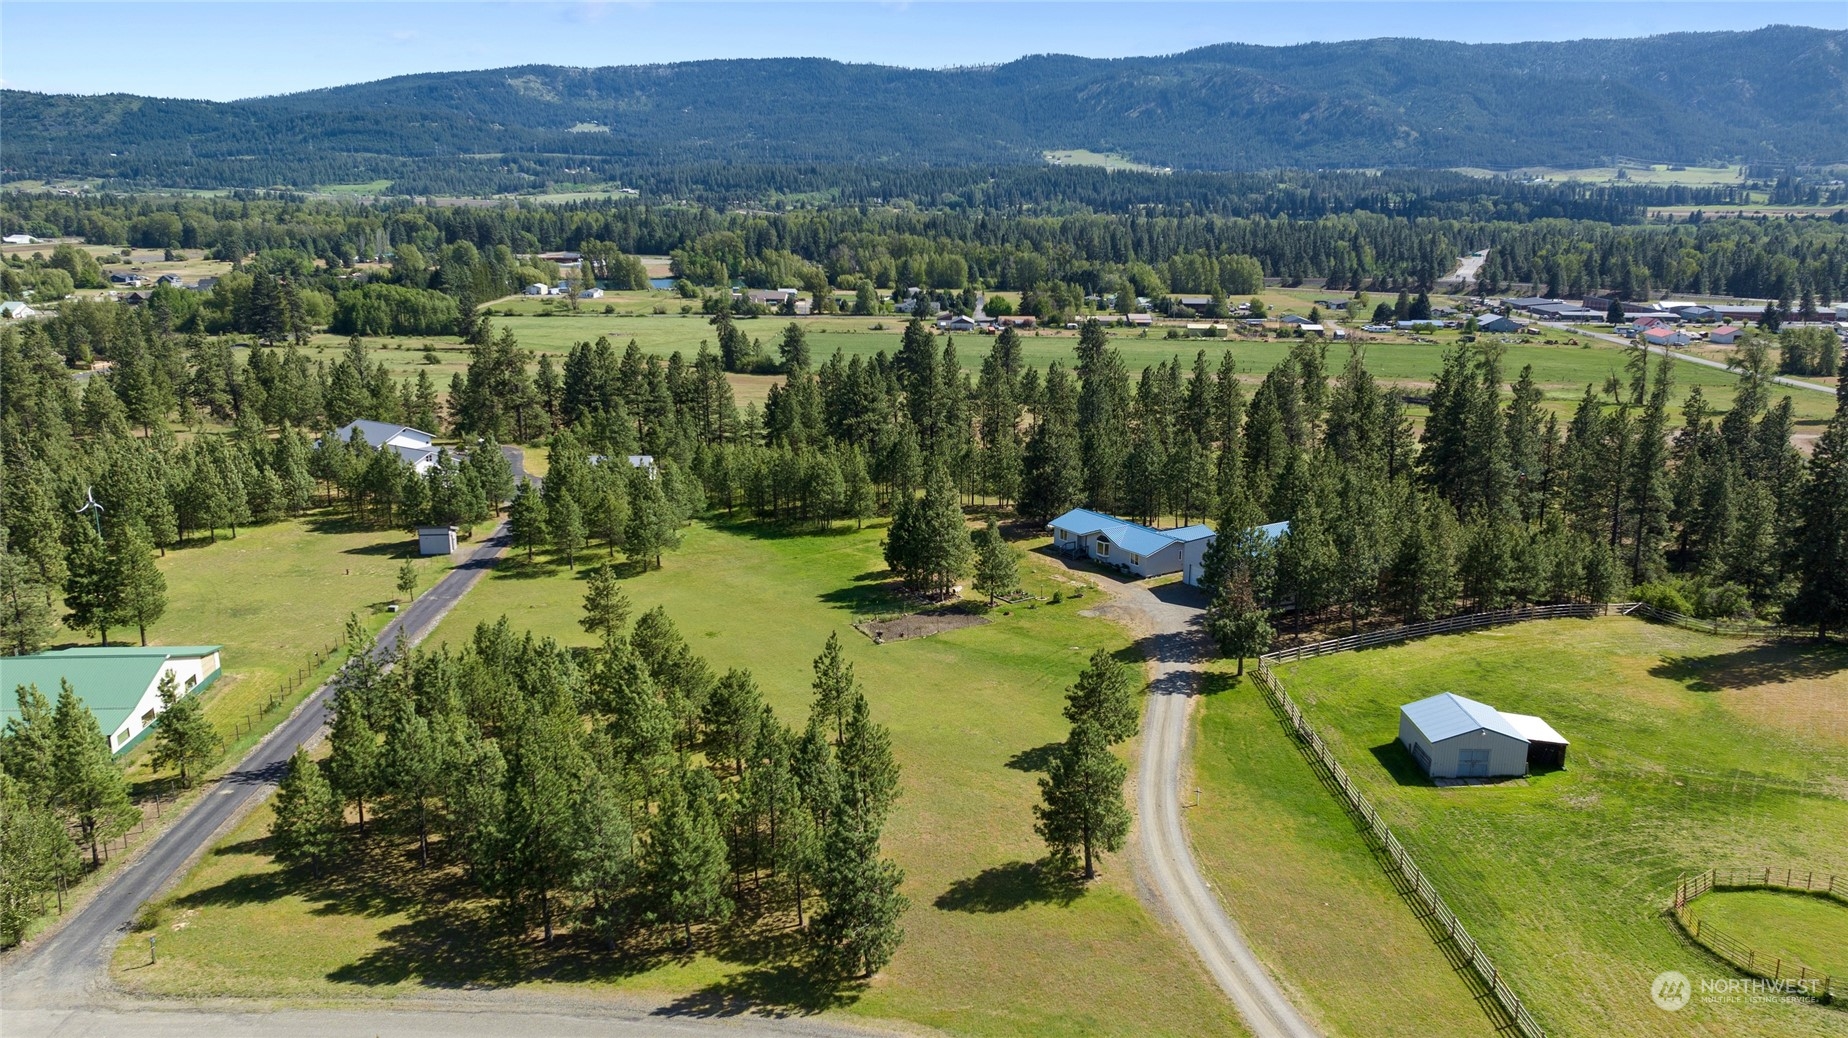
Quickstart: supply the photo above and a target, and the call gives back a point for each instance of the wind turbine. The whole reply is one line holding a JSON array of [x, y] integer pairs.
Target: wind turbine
[[90, 505]]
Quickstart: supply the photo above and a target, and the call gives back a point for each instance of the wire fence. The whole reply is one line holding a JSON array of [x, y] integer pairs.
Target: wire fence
[[1401, 860], [1786, 973], [286, 687]]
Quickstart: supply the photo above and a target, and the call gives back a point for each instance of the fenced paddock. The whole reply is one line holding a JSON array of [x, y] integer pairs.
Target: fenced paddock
[[1415, 883], [1786, 973]]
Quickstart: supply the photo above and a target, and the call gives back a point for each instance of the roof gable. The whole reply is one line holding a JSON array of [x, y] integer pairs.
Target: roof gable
[[1448, 715]]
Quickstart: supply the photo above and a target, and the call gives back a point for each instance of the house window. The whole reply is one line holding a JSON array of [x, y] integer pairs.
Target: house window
[[121, 737], [1135, 560], [191, 681], [148, 718], [1103, 547]]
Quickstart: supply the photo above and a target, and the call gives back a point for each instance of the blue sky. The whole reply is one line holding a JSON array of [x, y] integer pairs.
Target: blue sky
[[223, 50]]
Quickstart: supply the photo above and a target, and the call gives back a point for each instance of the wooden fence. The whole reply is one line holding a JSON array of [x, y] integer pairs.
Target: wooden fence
[[1788, 974], [1395, 852]]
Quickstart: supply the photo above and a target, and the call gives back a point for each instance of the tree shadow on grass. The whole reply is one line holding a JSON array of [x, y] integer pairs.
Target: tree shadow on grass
[[385, 549], [1004, 888], [1753, 665], [1037, 759], [867, 596], [777, 990], [1398, 762]]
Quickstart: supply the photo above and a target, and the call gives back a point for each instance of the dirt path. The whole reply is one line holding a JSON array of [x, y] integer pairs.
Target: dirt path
[[1167, 622]]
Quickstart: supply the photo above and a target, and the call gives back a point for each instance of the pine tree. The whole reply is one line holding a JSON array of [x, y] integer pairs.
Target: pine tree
[[142, 588], [606, 605], [528, 519], [1107, 696], [91, 592], [306, 829], [87, 783], [414, 761], [602, 867], [25, 608], [858, 929], [183, 736], [928, 546], [835, 687], [1082, 808], [653, 525], [867, 772], [687, 866], [1821, 544], [36, 858], [354, 764], [544, 768], [567, 530], [997, 565]]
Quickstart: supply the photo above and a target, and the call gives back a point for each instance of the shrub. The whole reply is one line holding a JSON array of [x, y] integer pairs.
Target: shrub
[[1057, 597], [1669, 596]]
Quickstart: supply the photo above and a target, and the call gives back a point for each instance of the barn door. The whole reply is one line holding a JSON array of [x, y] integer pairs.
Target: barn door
[[1473, 763]]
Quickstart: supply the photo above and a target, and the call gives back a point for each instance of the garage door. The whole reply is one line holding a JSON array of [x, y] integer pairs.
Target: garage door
[[1473, 763]]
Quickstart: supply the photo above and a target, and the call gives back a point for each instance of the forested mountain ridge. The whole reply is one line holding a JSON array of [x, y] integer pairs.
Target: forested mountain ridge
[[1778, 94]]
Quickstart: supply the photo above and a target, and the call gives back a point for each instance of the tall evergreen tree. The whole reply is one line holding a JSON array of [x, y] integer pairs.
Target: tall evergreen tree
[[87, 782], [1082, 812], [1821, 546], [306, 829], [1107, 696], [996, 564], [183, 736]]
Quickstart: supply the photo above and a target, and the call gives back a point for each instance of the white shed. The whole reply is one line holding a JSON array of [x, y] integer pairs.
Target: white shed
[[1453, 737], [436, 540]]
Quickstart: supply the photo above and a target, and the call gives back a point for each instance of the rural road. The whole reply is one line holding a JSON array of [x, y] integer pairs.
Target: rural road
[[1467, 269], [1169, 616], [1664, 351]]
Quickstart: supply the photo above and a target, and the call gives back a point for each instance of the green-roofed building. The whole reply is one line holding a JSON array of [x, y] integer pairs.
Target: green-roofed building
[[120, 684]]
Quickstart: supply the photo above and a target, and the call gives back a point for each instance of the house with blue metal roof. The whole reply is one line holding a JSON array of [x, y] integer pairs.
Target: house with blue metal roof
[[119, 683], [1142, 550], [1451, 736]]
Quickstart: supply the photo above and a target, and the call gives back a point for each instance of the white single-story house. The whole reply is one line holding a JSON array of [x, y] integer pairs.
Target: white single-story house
[[1143, 550], [1454, 737], [436, 540], [413, 445], [120, 684], [14, 310]]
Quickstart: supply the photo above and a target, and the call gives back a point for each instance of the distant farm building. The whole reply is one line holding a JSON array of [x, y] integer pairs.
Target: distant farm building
[[14, 310], [1454, 737], [1501, 324], [21, 239], [415, 446], [1142, 550], [1725, 335], [120, 684]]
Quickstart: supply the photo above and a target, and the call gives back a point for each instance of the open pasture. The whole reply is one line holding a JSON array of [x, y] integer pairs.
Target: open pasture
[[1688, 751]]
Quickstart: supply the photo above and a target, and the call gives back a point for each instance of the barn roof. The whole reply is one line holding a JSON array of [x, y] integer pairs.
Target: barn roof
[[1448, 715], [1533, 729], [110, 680]]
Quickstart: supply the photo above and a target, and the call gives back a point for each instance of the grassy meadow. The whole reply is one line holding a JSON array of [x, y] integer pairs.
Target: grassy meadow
[[1310, 896], [1811, 930], [1688, 751], [989, 950]]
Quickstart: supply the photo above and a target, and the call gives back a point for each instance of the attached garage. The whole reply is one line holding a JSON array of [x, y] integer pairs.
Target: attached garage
[[1454, 737]]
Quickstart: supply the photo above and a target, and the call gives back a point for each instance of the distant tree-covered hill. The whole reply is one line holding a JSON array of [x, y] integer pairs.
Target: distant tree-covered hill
[[1778, 94]]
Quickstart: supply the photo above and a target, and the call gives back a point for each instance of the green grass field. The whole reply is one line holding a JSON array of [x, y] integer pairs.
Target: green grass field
[[1310, 896], [1688, 751], [271, 597], [988, 951], [1809, 929]]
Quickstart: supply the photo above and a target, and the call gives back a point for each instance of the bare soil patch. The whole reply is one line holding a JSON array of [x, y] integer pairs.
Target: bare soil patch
[[920, 625]]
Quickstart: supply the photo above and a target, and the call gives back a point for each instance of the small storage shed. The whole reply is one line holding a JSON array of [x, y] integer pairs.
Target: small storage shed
[[1454, 737], [1546, 748], [436, 540]]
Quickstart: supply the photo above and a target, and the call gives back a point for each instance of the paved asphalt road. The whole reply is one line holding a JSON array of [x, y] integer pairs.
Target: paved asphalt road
[[1169, 619], [73, 962]]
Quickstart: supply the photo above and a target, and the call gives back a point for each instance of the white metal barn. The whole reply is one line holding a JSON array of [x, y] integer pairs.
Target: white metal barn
[[1453, 737]]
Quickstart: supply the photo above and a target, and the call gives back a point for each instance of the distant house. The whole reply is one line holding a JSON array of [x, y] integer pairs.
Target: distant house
[[21, 239], [1142, 550], [171, 280], [205, 284], [1332, 304], [1454, 737], [14, 310], [1665, 337], [1296, 319], [1312, 329], [1133, 320], [536, 289], [127, 279], [1725, 334], [1647, 321], [1376, 327], [591, 293], [958, 323], [1029, 321], [1199, 304], [774, 298], [415, 446], [1409, 326], [135, 298], [120, 684], [636, 461], [1499, 323], [436, 540]]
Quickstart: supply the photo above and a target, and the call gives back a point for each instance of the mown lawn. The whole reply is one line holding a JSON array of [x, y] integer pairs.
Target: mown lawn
[[1688, 751], [988, 950], [1777, 924], [1311, 897]]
